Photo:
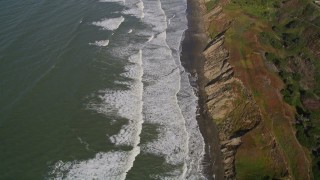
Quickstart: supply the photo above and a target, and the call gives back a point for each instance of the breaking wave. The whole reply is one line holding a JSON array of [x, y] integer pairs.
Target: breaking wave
[[109, 24]]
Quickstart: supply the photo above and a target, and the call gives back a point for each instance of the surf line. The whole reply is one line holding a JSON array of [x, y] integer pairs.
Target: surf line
[[186, 145], [130, 133], [136, 148]]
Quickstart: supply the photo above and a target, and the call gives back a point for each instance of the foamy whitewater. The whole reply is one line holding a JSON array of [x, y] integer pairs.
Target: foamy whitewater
[[100, 43], [110, 24], [157, 92]]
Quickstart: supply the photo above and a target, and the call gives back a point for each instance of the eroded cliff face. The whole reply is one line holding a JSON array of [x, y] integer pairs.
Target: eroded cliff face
[[228, 102], [257, 138], [235, 112]]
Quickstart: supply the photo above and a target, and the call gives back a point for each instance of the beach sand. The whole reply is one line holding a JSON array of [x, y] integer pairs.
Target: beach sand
[[193, 60]]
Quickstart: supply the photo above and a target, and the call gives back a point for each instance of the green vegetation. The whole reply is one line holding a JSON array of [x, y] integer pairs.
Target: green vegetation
[[269, 38], [210, 4], [294, 39], [259, 8], [253, 168], [289, 32]]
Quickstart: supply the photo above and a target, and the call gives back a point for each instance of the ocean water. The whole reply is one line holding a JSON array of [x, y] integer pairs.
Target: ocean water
[[95, 89]]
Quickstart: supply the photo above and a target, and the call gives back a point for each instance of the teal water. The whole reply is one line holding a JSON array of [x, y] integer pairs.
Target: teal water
[[95, 89]]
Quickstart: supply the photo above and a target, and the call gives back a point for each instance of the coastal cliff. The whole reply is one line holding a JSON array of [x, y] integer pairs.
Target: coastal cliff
[[228, 102], [245, 92]]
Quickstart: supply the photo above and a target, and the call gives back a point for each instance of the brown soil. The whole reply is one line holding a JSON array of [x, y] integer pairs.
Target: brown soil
[[274, 137]]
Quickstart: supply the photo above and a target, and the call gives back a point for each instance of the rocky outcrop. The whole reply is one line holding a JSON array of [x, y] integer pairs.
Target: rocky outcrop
[[246, 99], [228, 102]]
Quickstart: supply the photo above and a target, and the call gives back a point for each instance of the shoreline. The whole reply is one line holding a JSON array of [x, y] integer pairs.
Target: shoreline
[[192, 59]]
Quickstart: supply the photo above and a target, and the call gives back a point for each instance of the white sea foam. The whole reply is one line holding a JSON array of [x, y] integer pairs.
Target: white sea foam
[[126, 45], [140, 6], [100, 43], [166, 100], [109, 166], [117, 1], [186, 97], [150, 38], [109, 24], [154, 16], [169, 20], [135, 9], [127, 104], [188, 104], [161, 107]]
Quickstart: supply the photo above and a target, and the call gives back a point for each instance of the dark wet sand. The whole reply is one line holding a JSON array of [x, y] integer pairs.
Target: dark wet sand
[[193, 60]]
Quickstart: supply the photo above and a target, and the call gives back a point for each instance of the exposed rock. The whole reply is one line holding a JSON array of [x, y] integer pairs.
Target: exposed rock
[[245, 126], [228, 102], [232, 143]]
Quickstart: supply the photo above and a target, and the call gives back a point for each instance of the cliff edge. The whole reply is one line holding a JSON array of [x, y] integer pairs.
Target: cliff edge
[[244, 89]]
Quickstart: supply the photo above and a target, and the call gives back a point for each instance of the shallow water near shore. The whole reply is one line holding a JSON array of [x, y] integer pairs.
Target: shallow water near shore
[[193, 60], [96, 89]]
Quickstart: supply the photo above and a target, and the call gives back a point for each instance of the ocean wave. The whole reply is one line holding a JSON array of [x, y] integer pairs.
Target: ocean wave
[[100, 43], [109, 24], [158, 91], [161, 107], [127, 104], [150, 38], [154, 16], [187, 100], [110, 165], [135, 9], [117, 1]]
